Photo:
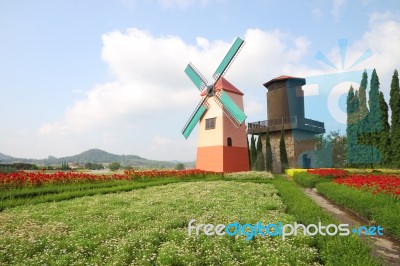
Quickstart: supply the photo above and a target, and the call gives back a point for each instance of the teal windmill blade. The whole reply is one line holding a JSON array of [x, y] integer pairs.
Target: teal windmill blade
[[199, 81], [232, 108], [195, 117], [228, 59]]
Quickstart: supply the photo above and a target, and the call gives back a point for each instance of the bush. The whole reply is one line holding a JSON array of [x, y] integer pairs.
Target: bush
[[309, 180], [381, 208], [94, 166], [179, 166], [291, 172], [25, 166], [114, 166]]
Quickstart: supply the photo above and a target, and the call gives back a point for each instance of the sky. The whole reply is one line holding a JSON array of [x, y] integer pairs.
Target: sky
[[109, 74]]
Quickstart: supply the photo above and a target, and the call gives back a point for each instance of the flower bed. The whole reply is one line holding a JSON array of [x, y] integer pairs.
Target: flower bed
[[149, 227], [249, 175], [388, 184], [328, 172], [20, 179], [291, 172]]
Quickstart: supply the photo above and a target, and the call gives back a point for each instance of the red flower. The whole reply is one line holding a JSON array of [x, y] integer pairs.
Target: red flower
[[389, 184], [20, 179], [328, 172]]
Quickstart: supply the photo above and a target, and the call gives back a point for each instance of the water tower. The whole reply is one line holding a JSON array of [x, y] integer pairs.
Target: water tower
[[285, 102]]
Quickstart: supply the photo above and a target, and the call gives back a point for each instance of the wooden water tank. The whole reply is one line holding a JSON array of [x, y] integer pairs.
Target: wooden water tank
[[285, 97]]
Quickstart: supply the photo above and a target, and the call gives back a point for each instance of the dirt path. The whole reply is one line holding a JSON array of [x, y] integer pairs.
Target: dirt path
[[383, 246]]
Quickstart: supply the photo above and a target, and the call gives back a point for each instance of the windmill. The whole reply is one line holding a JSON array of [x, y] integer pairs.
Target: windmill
[[222, 145]]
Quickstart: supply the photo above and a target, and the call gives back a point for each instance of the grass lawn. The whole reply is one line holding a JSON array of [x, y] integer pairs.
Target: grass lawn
[[148, 225]]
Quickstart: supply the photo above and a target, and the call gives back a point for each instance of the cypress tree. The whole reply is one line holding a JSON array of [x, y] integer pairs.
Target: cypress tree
[[394, 103], [351, 129], [282, 152], [374, 116], [268, 152], [253, 152], [384, 134], [260, 155], [361, 127], [362, 109], [373, 102], [248, 151]]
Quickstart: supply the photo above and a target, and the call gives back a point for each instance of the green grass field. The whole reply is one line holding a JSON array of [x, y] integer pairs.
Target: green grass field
[[145, 223]]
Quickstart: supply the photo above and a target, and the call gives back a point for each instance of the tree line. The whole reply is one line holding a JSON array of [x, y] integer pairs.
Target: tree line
[[371, 139], [259, 161]]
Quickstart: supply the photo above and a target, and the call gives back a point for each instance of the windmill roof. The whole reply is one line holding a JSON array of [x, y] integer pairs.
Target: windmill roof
[[225, 86], [281, 78]]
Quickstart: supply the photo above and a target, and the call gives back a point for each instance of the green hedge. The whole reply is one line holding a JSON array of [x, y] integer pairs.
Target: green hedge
[[309, 180], [381, 208]]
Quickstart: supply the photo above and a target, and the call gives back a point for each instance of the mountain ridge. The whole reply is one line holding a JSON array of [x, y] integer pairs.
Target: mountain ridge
[[94, 156]]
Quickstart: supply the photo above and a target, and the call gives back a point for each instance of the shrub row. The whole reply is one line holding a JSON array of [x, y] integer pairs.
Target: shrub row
[[333, 250], [381, 208], [309, 180]]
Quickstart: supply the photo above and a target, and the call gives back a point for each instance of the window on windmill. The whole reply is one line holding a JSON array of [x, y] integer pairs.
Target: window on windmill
[[210, 123], [229, 142]]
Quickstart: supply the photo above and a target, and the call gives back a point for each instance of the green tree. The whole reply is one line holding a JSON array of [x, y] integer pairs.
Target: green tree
[[351, 129], [282, 152], [339, 148], [114, 166], [248, 151], [94, 166], [394, 103], [65, 166], [179, 166], [361, 120], [333, 146], [384, 134], [324, 152], [253, 153], [260, 155], [374, 118], [268, 152], [362, 109]]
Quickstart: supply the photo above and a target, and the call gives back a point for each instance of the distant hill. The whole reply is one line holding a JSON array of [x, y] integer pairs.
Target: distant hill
[[97, 156], [5, 158]]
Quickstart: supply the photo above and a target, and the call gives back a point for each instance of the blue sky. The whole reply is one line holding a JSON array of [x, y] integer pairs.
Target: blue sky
[[109, 74]]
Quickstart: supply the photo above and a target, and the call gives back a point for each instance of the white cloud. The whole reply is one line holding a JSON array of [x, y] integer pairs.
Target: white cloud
[[254, 107], [161, 141], [151, 93], [382, 39], [266, 54], [144, 109], [337, 7]]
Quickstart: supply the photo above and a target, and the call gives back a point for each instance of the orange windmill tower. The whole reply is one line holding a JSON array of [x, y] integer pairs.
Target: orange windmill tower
[[222, 145]]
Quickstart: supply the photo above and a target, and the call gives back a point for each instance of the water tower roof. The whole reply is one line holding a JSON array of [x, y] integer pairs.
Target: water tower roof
[[282, 78]]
